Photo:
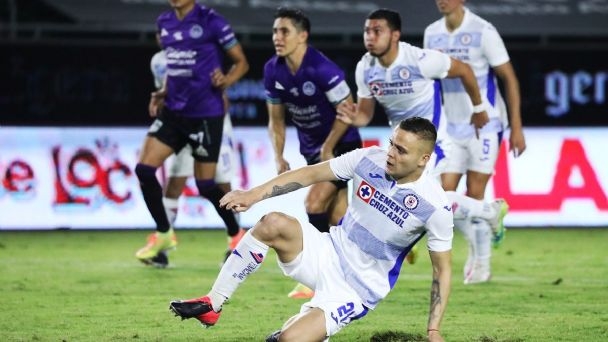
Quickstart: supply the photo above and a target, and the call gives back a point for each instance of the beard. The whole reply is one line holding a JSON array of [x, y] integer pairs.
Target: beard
[[383, 52]]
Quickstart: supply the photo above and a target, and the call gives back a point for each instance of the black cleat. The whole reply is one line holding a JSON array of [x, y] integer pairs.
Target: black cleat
[[199, 308], [160, 260], [274, 337]]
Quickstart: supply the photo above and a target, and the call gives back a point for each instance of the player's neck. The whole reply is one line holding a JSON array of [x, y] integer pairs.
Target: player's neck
[[454, 19], [183, 11], [294, 60], [389, 57], [412, 177]]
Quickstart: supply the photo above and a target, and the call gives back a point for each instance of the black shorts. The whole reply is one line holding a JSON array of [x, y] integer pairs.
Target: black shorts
[[204, 135], [340, 149]]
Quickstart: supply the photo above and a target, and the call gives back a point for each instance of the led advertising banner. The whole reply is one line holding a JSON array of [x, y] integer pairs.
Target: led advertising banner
[[83, 178]]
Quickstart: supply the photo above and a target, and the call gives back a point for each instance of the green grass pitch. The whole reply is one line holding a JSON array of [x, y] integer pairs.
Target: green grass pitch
[[547, 285]]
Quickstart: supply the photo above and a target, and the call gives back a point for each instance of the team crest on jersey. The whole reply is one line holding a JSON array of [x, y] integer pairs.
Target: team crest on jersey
[[196, 31], [410, 201], [376, 88], [365, 191], [308, 88], [404, 74], [465, 39]]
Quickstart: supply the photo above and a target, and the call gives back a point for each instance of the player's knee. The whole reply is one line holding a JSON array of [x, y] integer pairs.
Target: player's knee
[[145, 172], [205, 186], [315, 203], [270, 226]]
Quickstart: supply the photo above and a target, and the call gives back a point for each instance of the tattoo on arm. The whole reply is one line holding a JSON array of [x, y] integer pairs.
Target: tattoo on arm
[[435, 299], [278, 190]]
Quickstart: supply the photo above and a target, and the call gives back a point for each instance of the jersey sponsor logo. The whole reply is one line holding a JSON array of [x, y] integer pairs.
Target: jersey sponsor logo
[[196, 31], [376, 88], [410, 201], [365, 191], [309, 88]]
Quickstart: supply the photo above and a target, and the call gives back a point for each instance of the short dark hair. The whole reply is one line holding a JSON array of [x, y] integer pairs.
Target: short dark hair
[[297, 17], [423, 128], [393, 19]]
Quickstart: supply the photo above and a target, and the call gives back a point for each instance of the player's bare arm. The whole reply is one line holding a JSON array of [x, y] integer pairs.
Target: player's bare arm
[[463, 71], [357, 114], [440, 292], [337, 131], [239, 68], [284, 183], [517, 141], [276, 131]]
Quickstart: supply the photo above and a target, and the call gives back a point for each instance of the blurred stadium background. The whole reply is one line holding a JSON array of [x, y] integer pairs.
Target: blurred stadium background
[[75, 83]]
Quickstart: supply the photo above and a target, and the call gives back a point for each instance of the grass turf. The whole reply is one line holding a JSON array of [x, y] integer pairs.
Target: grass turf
[[547, 285]]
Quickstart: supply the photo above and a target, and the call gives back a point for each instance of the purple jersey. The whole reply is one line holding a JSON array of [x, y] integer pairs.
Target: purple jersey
[[309, 97], [194, 47]]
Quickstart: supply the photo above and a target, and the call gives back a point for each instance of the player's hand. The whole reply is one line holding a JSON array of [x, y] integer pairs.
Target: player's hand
[[478, 120], [218, 79], [156, 104], [517, 142], [282, 165], [346, 112], [237, 200]]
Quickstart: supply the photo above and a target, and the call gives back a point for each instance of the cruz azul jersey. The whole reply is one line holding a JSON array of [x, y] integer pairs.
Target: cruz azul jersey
[[158, 66], [407, 87], [309, 96], [194, 47], [477, 43], [384, 221]]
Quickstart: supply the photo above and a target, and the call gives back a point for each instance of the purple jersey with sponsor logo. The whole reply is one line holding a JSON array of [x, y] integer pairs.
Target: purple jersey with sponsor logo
[[309, 97], [194, 47]]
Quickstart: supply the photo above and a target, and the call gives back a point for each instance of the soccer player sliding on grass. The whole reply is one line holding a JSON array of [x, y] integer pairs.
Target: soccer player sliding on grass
[[354, 266]]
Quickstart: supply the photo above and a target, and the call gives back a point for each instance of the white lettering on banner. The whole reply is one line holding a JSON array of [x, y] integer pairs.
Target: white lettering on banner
[[581, 88], [65, 177]]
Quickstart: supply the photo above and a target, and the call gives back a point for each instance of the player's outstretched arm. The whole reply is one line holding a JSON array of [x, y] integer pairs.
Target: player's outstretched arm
[[440, 292], [284, 183]]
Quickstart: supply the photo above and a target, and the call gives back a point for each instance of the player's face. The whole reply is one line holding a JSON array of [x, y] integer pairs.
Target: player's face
[[377, 37], [286, 37], [407, 156], [448, 6]]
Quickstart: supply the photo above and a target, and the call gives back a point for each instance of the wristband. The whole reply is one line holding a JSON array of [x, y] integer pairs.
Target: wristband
[[479, 108]]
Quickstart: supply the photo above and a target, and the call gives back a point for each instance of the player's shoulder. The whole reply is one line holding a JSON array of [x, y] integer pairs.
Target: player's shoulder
[[317, 58], [435, 26], [166, 16], [478, 23]]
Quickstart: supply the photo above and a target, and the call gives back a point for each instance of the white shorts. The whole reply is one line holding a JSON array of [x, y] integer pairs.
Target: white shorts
[[318, 267], [182, 163], [472, 154]]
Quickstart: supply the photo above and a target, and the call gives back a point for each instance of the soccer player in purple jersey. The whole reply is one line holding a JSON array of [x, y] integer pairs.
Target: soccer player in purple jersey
[[195, 39], [303, 83]]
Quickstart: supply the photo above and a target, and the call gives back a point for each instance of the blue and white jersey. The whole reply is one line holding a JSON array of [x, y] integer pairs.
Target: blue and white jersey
[[477, 43], [158, 66], [407, 87], [383, 222]]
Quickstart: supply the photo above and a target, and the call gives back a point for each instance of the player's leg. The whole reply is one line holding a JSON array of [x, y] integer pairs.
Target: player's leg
[[317, 202], [274, 230], [181, 166], [161, 141]]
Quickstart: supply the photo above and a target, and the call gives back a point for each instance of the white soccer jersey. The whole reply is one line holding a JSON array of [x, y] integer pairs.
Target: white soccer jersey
[[407, 87], [384, 221], [158, 66], [477, 43]]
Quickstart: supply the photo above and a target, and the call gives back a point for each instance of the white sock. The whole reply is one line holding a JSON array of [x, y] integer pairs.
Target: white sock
[[466, 228], [171, 205], [246, 258], [483, 244], [465, 206]]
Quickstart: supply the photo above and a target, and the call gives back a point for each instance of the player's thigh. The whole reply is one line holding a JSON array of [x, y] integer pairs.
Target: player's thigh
[[205, 138], [154, 152], [483, 152], [310, 324], [319, 196], [306, 264], [457, 158]]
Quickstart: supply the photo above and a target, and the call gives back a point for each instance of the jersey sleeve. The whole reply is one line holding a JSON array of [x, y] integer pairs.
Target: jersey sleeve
[[493, 47], [330, 79], [224, 34], [362, 87], [344, 166], [270, 85], [440, 230], [434, 64]]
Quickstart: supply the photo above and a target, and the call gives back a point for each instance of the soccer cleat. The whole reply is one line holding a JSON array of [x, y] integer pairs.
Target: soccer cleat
[[477, 275], [199, 308], [301, 292], [161, 260], [274, 337], [497, 224], [412, 256], [157, 242]]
